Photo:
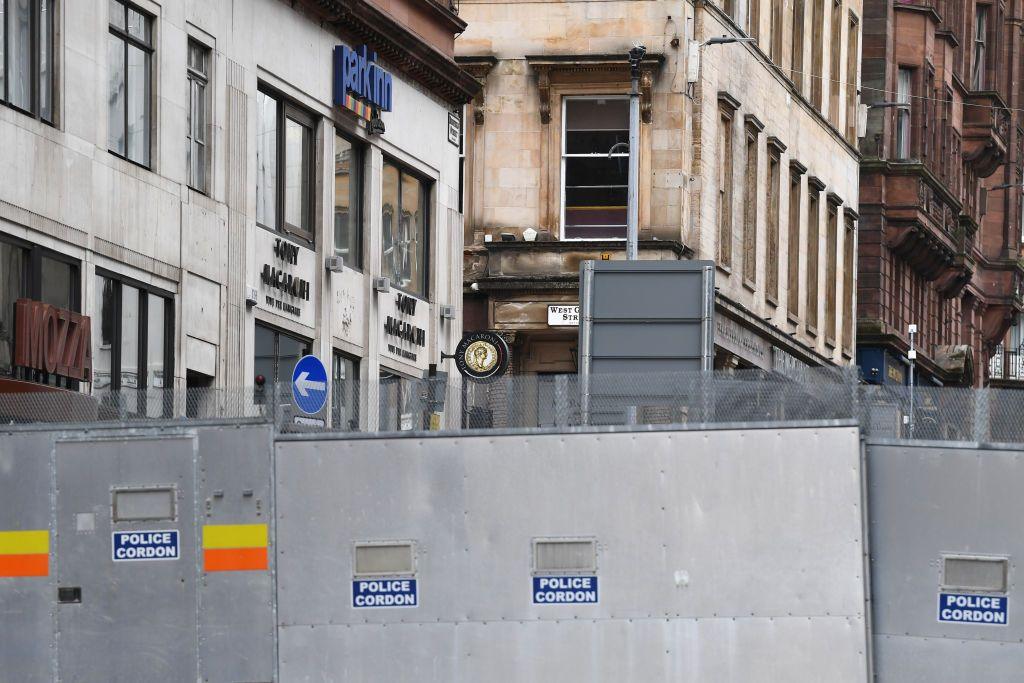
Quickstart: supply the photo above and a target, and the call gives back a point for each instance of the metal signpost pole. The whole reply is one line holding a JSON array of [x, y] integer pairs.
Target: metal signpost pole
[[636, 55], [912, 356]]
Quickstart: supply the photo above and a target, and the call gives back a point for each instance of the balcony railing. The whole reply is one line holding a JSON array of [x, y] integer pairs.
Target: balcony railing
[[1007, 363]]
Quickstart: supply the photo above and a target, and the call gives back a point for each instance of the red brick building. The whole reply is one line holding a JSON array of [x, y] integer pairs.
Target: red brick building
[[940, 198]]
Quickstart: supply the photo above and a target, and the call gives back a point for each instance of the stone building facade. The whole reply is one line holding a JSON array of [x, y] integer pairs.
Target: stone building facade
[[941, 192], [202, 181], [747, 158]]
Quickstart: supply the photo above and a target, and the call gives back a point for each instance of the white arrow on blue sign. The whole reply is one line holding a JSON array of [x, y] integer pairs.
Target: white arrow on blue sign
[[309, 385]]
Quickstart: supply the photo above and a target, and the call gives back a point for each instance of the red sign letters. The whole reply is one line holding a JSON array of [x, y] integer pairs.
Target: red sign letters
[[53, 340]]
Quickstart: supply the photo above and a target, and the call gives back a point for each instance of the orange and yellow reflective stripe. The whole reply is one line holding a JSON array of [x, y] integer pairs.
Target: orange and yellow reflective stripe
[[25, 553], [234, 547]]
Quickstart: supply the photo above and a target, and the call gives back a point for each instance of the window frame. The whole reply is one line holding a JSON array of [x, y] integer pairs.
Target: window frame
[[143, 331], [360, 152], [36, 32], [980, 43], [277, 331], [903, 140], [351, 390], [149, 49], [562, 159], [427, 189], [288, 109], [204, 80]]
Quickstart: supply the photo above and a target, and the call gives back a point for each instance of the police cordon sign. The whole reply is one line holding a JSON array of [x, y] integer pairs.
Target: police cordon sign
[[130, 546], [565, 590], [384, 593], [960, 608]]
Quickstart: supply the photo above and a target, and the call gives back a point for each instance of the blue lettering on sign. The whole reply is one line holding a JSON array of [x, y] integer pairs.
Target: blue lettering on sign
[[129, 546], [384, 593], [959, 608], [565, 590], [356, 72]]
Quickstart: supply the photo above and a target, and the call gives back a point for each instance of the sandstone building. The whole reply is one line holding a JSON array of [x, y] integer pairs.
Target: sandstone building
[[748, 158]]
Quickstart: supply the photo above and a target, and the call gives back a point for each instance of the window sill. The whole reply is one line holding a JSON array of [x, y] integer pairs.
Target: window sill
[[724, 268], [131, 161], [812, 331], [830, 344], [771, 301], [793, 318], [749, 286]]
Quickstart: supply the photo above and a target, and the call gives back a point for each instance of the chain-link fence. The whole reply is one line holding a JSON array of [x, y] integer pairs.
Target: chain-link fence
[[560, 401]]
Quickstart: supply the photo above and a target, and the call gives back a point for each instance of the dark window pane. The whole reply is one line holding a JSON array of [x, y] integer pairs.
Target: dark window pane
[[266, 160], [297, 155], [115, 95], [290, 350], [103, 330], [12, 288], [347, 201], [414, 272], [116, 10], [138, 25], [597, 114], [19, 53], [58, 283], [390, 237], [138, 105], [596, 142], [129, 337], [596, 171], [155, 347], [45, 60], [264, 361], [345, 397]]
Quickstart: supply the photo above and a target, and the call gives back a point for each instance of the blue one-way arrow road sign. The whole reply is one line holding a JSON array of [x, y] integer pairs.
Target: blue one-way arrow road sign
[[309, 385]]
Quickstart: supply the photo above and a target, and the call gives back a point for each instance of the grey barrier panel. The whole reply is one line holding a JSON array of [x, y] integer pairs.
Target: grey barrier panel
[[27, 604], [142, 620], [729, 555], [928, 501], [236, 615], [136, 620]]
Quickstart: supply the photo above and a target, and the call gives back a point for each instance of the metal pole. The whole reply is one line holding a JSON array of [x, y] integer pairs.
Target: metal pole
[[636, 55], [586, 284], [912, 356]]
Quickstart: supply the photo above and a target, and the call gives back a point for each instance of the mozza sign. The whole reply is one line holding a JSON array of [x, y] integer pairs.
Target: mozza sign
[[357, 73]]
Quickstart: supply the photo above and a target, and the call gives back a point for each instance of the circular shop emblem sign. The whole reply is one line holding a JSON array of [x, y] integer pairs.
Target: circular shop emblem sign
[[481, 356]]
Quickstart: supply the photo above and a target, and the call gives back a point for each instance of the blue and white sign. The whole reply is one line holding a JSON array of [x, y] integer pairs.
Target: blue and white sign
[[356, 72], [384, 593], [309, 385], [132, 546], [961, 608], [565, 590]]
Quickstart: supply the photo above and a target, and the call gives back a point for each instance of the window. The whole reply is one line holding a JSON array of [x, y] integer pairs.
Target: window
[[754, 19], [462, 159], [348, 201], [405, 201], [129, 53], [725, 187], [26, 56], [345, 394], [904, 80], [30, 271], [797, 73], [284, 166], [835, 49], [852, 61], [849, 266], [595, 167], [401, 408], [132, 342], [750, 210], [775, 33], [794, 251], [817, 53], [831, 270], [978, 75], [275, 356], [771, 198], [813, 232], [198, 116]]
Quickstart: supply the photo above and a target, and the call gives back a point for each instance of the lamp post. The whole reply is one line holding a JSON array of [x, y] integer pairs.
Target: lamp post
[[636, 55]]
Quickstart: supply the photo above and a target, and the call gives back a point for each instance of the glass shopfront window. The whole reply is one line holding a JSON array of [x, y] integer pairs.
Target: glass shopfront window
[[131, 341], [405, 203], [275, 356], [32, 272], [345, 396]]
